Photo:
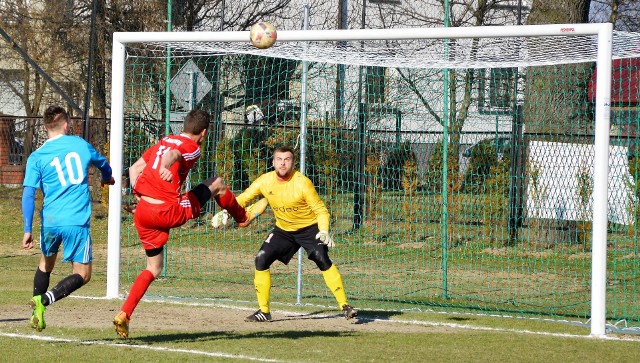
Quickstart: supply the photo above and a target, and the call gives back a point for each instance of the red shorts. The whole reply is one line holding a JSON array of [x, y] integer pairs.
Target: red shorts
[[153, 221]]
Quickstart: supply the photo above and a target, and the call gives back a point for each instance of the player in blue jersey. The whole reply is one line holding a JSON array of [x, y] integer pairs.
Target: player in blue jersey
[[60, 168]]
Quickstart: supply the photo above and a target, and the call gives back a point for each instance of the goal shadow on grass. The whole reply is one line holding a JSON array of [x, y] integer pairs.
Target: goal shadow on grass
[[314, 315], [217, 335], [364, 316]]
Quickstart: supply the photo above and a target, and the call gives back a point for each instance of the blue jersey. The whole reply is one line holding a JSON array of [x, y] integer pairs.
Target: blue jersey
[[60, 168]]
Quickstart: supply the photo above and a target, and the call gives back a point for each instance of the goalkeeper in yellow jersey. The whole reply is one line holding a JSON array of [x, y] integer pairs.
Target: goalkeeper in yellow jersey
[[302, 220]]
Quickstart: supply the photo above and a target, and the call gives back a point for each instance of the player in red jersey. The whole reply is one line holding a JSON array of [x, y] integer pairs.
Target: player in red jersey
[[157, 178]]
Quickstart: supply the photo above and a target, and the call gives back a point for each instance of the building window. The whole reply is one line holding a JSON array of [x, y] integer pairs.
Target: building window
[[496, 89], [501, 87]]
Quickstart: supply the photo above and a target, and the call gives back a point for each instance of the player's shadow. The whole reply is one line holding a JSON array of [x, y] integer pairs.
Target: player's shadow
[[315, 315], [364, 317], [367, 317], [13, 320], [218, 335]]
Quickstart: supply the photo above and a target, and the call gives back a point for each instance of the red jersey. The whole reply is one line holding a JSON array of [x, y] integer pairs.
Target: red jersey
[[149, 182]]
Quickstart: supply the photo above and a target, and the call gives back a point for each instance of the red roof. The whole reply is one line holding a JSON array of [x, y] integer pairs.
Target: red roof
[[625, 81]]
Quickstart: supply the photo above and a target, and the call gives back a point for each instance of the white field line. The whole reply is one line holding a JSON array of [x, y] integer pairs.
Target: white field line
[[139, 346], [396, 321], [517, 331]]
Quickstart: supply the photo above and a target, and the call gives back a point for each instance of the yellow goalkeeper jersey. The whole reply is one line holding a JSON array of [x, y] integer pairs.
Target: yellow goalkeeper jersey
[[295, 202]]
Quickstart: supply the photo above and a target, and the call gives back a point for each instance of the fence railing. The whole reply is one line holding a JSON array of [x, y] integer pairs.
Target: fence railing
[[20, 135]]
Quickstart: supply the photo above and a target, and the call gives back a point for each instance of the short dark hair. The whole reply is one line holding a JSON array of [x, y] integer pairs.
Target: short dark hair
[[284, 149], [196, 121], [55, 116]]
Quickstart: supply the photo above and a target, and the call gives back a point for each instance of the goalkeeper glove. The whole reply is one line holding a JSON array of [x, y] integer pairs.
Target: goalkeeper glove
[[221, 219], [253, 211], [324, 237]]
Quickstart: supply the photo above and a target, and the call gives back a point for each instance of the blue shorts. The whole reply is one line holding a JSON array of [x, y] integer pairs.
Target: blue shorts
[[76, 243]]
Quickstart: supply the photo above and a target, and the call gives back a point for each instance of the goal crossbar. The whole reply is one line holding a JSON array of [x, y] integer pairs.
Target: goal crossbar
[[367, 34]]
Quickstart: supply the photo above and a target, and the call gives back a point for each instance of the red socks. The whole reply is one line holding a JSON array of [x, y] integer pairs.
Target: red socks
[[138, 289], [228, 201]]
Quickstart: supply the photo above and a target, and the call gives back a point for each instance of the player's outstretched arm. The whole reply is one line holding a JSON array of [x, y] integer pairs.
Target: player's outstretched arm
[[100, 162], [222, 219], [254, 211]]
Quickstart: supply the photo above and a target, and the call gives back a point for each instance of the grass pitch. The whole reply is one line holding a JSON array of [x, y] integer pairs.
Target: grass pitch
[[79, 327]]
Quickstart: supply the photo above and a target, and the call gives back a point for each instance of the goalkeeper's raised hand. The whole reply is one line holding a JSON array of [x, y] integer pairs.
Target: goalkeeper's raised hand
[[325, 238], [221, 219], [254, 211], [248, 220]]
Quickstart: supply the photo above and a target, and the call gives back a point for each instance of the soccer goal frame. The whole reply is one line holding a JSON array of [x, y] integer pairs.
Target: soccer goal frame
[[604, 33]]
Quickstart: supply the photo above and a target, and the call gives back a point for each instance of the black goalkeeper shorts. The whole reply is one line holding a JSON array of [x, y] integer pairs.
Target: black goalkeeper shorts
[[283, 245]]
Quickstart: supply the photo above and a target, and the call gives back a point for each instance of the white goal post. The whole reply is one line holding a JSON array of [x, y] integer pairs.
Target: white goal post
[[604, 33]]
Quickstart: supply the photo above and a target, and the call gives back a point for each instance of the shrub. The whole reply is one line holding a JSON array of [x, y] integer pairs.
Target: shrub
[[433, 175], [391, 173], [488, 170]]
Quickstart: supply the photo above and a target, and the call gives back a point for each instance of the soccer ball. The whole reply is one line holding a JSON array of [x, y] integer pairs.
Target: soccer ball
[[263, 35]]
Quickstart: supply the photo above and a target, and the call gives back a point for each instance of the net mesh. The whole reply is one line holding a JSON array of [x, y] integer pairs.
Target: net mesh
[[508, 231], [425, 53]]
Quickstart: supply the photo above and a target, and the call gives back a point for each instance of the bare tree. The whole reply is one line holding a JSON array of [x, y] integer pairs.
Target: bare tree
[[42, 30], [623, 14], [462, 83], [43, 37]]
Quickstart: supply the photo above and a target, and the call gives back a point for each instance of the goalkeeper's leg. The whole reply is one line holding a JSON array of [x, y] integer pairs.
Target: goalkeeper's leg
[[319, 254], [262, 278], [262, 283], [334, 282]]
